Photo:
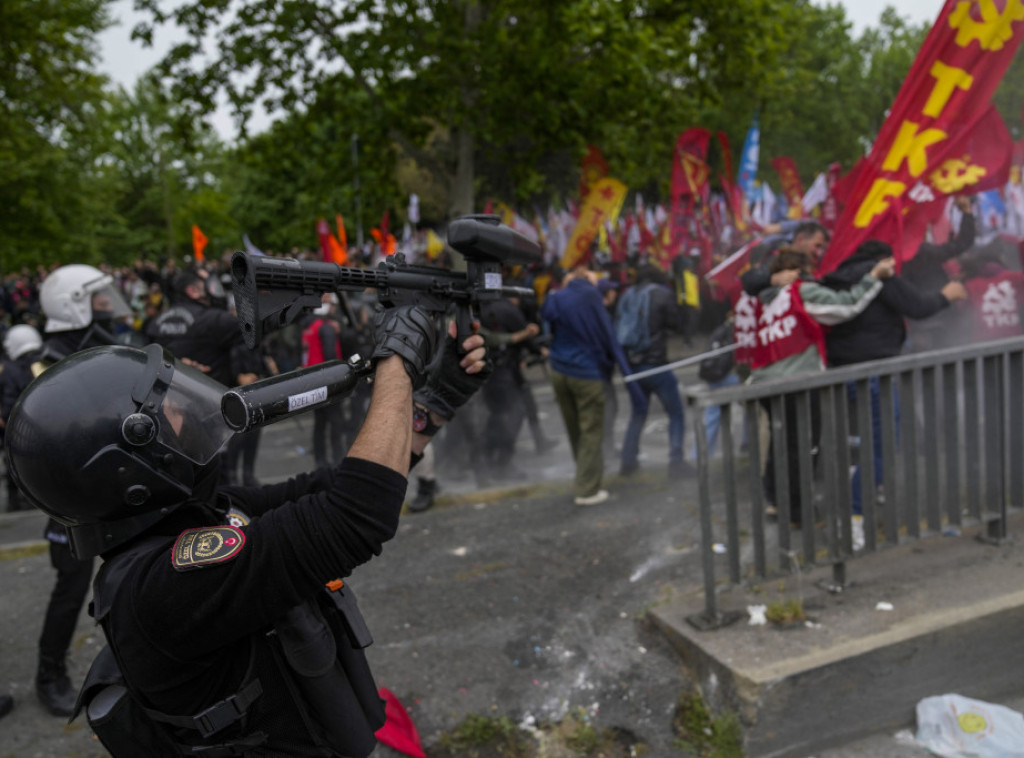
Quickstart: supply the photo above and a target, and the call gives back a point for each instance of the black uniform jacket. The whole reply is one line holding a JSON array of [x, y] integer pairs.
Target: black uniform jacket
[[201, 333], [188, 636]]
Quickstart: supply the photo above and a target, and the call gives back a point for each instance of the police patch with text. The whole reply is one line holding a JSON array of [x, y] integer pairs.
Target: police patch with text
[[206, 546]]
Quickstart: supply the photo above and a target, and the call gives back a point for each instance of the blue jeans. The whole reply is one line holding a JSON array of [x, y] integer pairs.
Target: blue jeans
[[713, 414], [666, 387], [856, 499]]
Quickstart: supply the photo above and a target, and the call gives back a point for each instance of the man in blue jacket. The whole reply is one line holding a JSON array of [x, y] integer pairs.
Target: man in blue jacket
[[583, 353]]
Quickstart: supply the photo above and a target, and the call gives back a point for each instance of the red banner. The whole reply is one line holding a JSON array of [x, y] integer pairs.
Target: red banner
[[945, 96], [593, 168], [792, 187], [689, 182], [830, 208], [724, 279], [981, 162], [733, 193]]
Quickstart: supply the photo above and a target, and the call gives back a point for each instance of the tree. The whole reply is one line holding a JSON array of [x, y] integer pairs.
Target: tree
[[168, 171], [828, 96], [514, 83], [51, 104]]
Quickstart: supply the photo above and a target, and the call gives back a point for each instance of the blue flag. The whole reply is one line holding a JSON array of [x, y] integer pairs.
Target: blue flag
[[748, 160]]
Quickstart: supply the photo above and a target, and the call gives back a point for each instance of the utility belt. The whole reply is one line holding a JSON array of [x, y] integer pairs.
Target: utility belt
[[318, 649]]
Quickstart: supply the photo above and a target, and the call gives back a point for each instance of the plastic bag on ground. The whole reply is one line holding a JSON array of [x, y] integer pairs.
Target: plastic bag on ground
[[954, 726]]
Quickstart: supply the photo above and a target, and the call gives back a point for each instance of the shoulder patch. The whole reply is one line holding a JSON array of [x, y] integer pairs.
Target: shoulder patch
[[206, 546], [236, 517]]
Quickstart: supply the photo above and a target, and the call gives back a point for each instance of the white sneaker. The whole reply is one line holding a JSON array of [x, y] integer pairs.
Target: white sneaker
[[598, 497], [857, 532]]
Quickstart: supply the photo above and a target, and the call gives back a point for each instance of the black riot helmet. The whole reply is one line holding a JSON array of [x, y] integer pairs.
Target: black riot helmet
[[111, 440]]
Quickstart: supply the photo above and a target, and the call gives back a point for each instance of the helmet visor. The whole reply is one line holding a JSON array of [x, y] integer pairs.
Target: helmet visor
[[190, 419], [106, 301]]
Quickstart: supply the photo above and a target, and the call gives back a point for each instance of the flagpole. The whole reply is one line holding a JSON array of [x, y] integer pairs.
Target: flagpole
[[679, 364]]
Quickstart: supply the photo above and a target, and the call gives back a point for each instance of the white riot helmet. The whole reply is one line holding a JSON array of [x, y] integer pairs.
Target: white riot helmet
[[21, 339], [74, 296]]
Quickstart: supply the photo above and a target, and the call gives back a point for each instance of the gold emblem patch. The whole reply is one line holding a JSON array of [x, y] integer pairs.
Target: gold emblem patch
[[206, 546]]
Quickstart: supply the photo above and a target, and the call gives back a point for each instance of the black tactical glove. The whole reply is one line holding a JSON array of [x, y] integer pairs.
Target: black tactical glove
[[449, 387], [407, 331]]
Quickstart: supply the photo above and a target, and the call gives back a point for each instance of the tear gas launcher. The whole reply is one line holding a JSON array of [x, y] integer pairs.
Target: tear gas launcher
[[271, 293]]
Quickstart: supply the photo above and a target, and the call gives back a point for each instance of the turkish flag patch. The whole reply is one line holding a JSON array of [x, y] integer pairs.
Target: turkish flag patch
[[206, 546]]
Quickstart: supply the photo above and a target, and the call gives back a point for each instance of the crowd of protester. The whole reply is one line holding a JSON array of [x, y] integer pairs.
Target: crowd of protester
[[580, 358]]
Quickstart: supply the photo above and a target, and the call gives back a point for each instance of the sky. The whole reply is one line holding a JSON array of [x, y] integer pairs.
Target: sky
[[124, 60]]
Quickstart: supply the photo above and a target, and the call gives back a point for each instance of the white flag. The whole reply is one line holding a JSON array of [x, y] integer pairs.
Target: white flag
[[817, 194]]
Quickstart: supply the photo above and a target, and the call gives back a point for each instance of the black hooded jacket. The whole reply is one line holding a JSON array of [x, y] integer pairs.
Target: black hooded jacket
[[879, 332]]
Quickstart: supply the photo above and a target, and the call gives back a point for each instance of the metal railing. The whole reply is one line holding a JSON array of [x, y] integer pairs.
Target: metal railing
[[950, 430]]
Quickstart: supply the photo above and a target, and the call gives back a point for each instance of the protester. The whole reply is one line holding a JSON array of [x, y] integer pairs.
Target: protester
[[644, 339], [790, 341], [321, 342], [995, 296], [879, 332], [718, 371], [802, 236], [609, 290], [584, 351], [927, 270]]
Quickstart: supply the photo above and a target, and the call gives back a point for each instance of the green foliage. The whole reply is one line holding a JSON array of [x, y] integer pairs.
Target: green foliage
[[785, 612], [458, 101], [703, 735], [496, 734], [50, 103]]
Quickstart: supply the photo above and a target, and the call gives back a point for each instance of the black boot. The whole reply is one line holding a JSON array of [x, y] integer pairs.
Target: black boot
[[424, 499], [54, 688]]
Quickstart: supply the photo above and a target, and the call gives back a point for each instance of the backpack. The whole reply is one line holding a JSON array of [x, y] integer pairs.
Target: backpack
[[717, 367], [633, 320]]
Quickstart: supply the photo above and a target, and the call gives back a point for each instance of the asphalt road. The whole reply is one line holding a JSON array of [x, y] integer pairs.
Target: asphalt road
[[509, 601]]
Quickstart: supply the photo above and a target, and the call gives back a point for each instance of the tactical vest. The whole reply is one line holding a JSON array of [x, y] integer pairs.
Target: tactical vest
[[784, 329], [318, 648]]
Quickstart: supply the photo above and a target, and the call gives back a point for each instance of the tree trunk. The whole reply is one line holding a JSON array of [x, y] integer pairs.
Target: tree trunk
[[461, 199]]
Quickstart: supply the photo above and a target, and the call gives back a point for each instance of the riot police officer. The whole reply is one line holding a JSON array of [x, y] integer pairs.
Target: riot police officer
[[80, 303], [227, 635], [22, 344], [197, 327]]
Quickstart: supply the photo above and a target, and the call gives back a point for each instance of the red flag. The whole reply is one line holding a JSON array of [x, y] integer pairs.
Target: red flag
[[385, 223], [199, 241], [733, 192], [724, 279], [398, 731], [945, 95], [323, 231], [830, 208], [342, 236], [792, 187], [593, 167], [689, 182]]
